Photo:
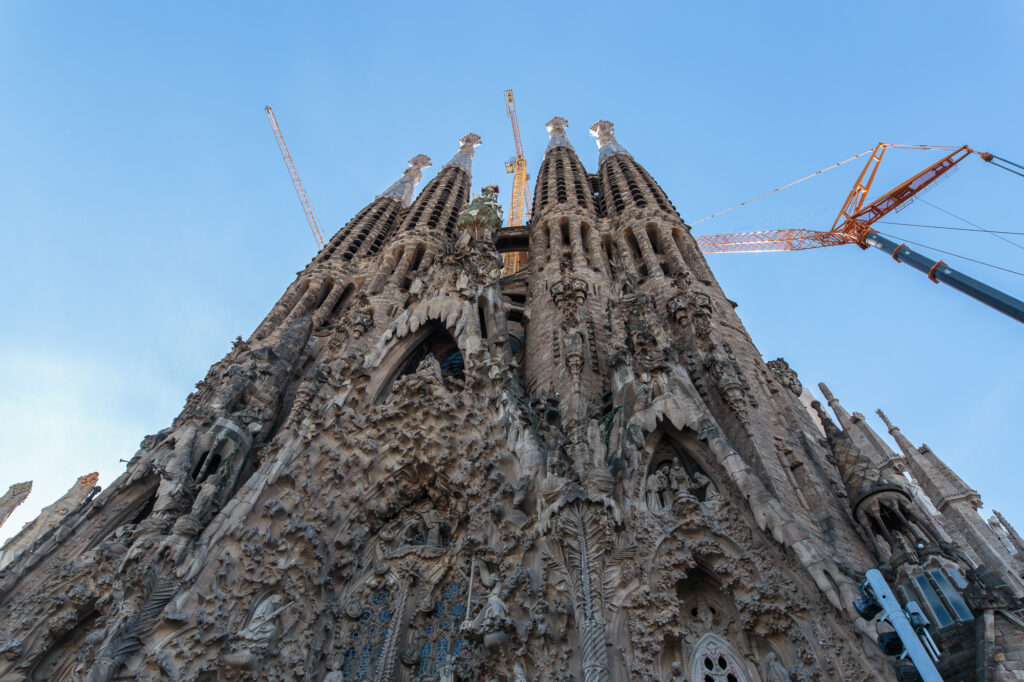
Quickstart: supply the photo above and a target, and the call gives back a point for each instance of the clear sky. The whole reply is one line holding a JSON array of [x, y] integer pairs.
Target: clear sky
[[146, 217]]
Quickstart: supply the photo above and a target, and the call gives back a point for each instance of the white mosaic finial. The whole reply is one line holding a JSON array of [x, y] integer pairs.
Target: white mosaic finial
[[403, 188], [556, 133], [464, 157], [607, 145]]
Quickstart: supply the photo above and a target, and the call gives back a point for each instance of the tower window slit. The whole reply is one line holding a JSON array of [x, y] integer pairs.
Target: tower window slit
[[606, 242], [634, 249], [585, 242]]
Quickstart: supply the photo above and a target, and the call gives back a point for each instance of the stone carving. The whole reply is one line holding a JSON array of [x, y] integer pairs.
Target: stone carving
[[701, 312], [252, 640], [773, 670], [785, 375], [482, 217]]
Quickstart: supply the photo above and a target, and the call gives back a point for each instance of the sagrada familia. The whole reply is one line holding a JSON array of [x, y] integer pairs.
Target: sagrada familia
[[420, 468]]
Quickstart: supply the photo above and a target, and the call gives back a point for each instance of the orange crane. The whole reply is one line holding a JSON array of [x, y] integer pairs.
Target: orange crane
[[520, 204], [295, 178], [854, 223]]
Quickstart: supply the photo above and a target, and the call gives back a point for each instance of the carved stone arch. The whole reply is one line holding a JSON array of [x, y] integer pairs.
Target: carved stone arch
[[675, 466], [714, 659], [431, 338]]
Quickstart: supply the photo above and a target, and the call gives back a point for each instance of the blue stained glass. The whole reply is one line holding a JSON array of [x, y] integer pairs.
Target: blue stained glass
[[364, 660], [450, 591], [428, 628], [438, 611], [424, 663], [457, 610], [371, 630], [441, 650], [384, 615], [446, 624], [457, 648], [365, 616], [381, 597]]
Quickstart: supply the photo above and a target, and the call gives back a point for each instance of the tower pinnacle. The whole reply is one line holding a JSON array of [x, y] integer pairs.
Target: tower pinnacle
[[938, 481], [556, 133], [402, 189], [464, 157], [607, 145]]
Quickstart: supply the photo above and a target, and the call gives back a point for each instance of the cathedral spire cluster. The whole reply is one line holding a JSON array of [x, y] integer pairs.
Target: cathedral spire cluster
[[418, 468]]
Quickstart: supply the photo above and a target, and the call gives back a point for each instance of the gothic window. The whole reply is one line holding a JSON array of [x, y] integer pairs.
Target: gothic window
[[365, 641], [715, 660], [437, 634]]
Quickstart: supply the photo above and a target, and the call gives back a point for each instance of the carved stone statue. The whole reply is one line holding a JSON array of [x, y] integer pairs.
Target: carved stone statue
[[492, 622], [773, 670], [657, 490], [676, 675], [519, 673], [251, 640]]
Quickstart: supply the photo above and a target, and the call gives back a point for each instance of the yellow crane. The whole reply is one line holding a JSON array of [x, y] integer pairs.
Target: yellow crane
[[520, 204], [299, 189]]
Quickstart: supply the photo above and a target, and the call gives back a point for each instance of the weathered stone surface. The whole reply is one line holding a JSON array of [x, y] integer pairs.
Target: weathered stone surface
[[417, 469]]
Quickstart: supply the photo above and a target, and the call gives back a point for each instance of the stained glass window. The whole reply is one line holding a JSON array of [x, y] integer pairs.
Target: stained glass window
[[366, 638], [438, 634]]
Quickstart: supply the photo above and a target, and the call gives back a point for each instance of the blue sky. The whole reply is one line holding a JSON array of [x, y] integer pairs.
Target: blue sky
[[146, 218]]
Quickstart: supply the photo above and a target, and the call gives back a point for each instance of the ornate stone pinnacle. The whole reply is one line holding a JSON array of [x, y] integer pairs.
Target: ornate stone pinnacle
[[556, 132], [827, 393], [403, 188], [464, 157], [607, 145], [885, 419]]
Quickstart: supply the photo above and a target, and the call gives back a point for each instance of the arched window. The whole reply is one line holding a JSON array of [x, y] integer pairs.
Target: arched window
[[365, 641], [437, 633], [715, 660]]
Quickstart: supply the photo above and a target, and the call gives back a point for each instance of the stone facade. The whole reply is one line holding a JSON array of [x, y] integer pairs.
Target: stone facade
[[419, 469]]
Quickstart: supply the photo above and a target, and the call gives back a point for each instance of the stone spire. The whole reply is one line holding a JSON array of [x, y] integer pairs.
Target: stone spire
[[464, 157], [556, 133], [402, 189], [867, 441], [860, 474], [607, 145], [937, 480], [48, 518], [14, 496]]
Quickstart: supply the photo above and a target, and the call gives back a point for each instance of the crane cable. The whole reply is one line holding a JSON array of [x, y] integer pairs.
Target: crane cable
[[950, 213], [761, 196], [946, 227], [852, 158]]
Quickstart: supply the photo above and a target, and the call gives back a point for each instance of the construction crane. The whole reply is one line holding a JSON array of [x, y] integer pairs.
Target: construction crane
[[854, 223], [299, 189], [519, 207]]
